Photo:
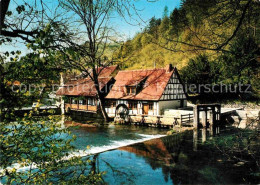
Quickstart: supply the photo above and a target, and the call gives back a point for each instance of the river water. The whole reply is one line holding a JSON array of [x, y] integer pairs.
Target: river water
[[142, 155]]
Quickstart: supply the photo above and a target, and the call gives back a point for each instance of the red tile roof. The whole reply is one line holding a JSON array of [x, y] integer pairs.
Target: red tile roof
[[105, 72], [85, 86], [155, 83]]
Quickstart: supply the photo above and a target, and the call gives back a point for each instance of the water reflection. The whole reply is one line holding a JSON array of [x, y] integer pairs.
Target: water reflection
[[180, 159], [205, 134], [166, 159]]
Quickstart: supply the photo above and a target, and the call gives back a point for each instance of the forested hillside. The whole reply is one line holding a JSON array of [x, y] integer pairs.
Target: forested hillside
[[208, 41]]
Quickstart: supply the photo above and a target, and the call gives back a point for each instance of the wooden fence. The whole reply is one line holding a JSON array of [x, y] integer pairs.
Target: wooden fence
[[186, 120]]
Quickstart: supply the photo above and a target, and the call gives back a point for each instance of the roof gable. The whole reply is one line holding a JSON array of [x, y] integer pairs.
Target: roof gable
[[153, 88]]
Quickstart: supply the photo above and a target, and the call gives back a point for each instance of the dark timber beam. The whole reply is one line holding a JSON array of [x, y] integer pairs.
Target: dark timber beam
[[3, 9]]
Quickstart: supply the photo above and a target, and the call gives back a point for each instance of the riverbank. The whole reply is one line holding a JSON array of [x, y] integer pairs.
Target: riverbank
[[132, 154]]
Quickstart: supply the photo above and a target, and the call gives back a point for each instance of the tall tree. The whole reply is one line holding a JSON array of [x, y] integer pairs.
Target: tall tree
[[215, 24], [165, 12], [93, 18]]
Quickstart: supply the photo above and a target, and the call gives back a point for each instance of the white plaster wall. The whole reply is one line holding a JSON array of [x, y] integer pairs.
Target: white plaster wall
[[150, 112], [155, 107], [139, 107], [139, 111], [133, 111], [110, 110], [173, 104], [176, 112]]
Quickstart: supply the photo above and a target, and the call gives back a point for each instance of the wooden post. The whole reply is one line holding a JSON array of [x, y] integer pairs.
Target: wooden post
[[87, 102], [217, 130], [204, 118], [196, 117], [219, 110], [211, 123], [212, 117], [204, 134]]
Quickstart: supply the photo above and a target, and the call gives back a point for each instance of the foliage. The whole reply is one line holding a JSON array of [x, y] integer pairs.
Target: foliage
[[36, 150], [240, 147], [199, 71], [240, 66], [210, 42]]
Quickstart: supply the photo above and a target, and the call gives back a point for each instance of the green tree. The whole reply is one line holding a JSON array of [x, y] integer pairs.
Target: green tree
[[178, 21], [36, 151], [33, 149], [164, 26], [85, 51], [200, 71], [241, 65], [165, 12], [153, 27]]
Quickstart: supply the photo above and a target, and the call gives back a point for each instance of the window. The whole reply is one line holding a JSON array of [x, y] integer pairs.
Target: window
[[66, 99], [128, 90], [110, 104], [132, 105], [82, 102], [135, 105], [91, 101], [150, 106], [131, 90], [74, 101], [113, 104]]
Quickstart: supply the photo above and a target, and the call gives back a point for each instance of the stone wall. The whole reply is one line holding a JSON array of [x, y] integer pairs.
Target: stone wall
[[246, 118], [241, 105], [149, 120]]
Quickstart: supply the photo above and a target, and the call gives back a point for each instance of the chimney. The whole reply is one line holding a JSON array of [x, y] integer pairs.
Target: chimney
[[168, 68]]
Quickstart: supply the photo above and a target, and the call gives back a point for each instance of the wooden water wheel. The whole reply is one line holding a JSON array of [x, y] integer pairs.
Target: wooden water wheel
[[122, 111]]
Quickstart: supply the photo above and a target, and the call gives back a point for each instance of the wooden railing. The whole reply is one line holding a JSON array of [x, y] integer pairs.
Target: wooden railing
[[186, 119], [81, 107]]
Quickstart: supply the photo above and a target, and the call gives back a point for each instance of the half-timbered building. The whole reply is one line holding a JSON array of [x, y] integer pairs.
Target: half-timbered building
[[147, 92], [81, 94]]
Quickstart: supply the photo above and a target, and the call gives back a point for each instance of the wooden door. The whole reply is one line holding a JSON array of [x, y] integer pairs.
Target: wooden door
[[145, 108]]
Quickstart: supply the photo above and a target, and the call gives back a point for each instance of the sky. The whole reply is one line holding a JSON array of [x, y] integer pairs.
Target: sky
[[147, 10]]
